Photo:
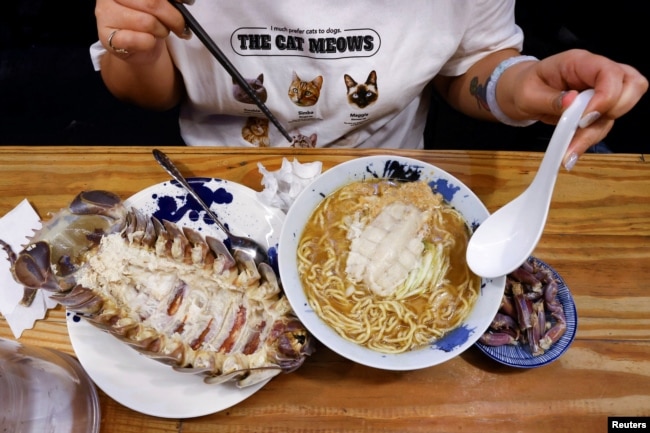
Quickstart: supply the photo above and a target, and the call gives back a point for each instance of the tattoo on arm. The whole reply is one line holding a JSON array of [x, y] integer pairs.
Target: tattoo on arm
[[477, 90]]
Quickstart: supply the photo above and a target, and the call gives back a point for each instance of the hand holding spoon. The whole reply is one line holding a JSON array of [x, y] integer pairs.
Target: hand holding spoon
[[508, 237]]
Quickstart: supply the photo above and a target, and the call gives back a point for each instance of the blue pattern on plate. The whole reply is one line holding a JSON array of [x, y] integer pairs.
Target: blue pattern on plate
[[76, 317], [406, 172], [235, 205], [393, 169], [445, 189], [454, 339], [519, 355], [168, 208]]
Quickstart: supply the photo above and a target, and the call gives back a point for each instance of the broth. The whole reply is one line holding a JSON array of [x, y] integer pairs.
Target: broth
[[383, 263]]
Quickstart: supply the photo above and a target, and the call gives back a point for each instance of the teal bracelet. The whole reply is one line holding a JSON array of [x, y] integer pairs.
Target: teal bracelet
[[491, 91]]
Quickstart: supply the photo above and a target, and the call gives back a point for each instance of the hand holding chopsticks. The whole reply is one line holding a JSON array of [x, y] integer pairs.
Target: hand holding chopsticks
[[203, 36]]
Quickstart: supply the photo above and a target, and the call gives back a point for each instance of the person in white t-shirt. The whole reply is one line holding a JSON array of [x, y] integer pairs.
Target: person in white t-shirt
[[353, 74]]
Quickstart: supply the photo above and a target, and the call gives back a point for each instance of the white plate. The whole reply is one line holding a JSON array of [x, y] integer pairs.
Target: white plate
[[148, 386], [395, 167]]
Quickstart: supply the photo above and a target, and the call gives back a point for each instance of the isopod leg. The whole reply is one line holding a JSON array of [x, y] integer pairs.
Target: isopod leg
[[523, 307], [535, 331], [497, 339]]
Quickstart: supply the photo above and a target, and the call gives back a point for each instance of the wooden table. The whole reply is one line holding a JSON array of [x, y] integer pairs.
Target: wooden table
[[597, 237]]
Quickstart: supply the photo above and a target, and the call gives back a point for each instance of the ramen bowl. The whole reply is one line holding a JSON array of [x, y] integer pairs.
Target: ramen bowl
[[458, 195]]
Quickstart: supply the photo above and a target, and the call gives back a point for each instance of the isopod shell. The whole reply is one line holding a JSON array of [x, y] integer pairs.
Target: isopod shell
[[174, 295]]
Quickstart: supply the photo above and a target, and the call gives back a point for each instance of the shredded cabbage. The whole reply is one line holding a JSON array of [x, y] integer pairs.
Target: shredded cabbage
[[430, 272]]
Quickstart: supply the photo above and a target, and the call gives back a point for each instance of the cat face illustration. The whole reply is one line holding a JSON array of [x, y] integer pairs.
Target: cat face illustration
[[258, 87], [303, 141], [305, 93], [256, 131], [364, 94]]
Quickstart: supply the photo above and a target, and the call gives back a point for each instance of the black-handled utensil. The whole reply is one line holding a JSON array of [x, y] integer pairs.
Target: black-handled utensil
[[243, 244], [203, 36]]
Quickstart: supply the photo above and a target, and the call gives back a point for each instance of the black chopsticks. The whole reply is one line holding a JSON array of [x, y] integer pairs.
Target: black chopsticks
[[200, 33]]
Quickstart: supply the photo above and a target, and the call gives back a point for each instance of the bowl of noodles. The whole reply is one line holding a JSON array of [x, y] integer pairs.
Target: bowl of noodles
[[372, 259]]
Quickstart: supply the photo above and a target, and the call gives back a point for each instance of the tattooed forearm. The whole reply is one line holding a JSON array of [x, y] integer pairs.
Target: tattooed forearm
[[477, 90]]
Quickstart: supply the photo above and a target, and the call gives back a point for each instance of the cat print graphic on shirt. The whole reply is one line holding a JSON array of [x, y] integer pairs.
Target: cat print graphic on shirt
[[304, 142], [362, 95], [257, 85], [305, 93], [256, 131]]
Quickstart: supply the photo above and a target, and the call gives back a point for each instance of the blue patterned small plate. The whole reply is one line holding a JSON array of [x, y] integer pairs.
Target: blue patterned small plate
[[519, 356]]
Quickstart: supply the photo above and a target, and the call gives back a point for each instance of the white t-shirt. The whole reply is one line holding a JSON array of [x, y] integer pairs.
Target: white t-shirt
[[339, 73]]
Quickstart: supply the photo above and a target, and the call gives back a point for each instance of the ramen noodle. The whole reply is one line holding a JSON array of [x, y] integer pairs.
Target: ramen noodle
[[383, 264]]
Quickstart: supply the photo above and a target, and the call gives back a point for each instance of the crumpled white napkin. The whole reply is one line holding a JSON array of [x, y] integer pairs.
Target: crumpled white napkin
[[281, 187], [15, 227]]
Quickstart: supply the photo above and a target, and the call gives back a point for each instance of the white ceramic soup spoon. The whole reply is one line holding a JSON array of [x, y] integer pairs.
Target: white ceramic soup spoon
[[508, 237]]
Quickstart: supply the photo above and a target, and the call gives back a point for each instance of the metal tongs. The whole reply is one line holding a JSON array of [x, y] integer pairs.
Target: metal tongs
[[203, 36]]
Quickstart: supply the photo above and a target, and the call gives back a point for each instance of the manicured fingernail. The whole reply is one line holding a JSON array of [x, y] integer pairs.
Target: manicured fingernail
[[559, 102], [588, 119], [187, 33], [570, 161]]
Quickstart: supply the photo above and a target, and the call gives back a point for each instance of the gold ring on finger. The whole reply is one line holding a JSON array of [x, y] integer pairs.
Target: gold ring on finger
[[114, 48]]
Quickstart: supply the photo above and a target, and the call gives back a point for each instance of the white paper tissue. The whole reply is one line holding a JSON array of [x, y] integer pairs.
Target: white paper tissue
[[15, 227], [281, 187]]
